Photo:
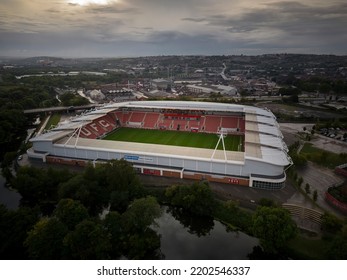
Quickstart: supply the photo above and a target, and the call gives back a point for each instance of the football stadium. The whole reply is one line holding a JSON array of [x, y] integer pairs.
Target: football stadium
[[226, 143]]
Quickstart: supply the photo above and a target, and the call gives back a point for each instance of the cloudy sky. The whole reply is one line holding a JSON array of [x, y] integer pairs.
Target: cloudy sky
[[110, 28]]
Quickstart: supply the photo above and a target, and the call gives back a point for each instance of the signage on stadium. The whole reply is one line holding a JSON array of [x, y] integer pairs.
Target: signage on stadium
[[138, 158], [234, 181]]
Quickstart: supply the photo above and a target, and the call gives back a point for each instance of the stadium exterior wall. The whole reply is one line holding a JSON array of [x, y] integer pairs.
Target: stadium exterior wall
[[223, 172]]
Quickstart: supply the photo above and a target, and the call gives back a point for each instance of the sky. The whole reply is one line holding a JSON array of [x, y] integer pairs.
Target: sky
[[113, 28]]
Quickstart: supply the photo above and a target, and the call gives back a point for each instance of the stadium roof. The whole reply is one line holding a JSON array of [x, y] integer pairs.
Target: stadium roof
[[189, 105]]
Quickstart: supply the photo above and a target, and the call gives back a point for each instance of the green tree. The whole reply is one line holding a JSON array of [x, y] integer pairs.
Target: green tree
[[14, 226], [267, 202], [92, 195], [141, 214], [88, 241], [315, 195], [337, 249], [331, 224], [143, 246], [232, 214], [274, 227], [39, 186], [307, 188], [300, 181], [12, 127], [113, 225], [197, 198], [45, 240], [122, 183], [70, 212]]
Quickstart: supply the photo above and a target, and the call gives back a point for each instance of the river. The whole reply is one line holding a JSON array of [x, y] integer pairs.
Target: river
[[8, 197], [200, 238]]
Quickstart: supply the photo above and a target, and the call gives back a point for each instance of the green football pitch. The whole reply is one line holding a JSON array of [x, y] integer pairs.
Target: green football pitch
[[175, 138]]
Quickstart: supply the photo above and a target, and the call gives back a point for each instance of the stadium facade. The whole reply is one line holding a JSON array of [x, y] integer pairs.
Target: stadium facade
[[260, 160]]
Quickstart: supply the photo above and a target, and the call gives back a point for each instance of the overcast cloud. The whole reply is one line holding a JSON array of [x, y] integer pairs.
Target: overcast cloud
[[107, 28]]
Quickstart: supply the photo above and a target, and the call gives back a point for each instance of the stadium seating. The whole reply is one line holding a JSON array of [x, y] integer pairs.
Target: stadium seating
[[212, 123], [151, 120], [137, 117], [126, 117], [194, 125], [165, 123], [229, 122], [118, 116], [106, 123], [86, 133], [179, 125]]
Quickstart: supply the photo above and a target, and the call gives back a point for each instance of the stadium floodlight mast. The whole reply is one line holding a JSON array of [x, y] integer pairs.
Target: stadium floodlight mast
[[221, 136]]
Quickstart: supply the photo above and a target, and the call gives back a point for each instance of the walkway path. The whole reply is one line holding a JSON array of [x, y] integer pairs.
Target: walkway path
[[320, 179]]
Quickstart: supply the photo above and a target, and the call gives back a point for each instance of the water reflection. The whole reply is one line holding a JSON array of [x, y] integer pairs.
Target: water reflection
[[197, 225], [181, 240], [8, 197]]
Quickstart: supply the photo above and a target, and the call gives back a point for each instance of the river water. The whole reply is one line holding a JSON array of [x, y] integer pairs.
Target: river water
[[200, 238], [8, 197]]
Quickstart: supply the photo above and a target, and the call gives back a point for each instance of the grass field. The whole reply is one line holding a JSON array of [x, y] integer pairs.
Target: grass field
[[175, 138], [53, 120], [322, 157]]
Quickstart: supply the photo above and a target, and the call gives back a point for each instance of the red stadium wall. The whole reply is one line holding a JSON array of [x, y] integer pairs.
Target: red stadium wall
[[155, 172], [71, 162], [172, 174], [341, 171], [211, 178], [336, 203]]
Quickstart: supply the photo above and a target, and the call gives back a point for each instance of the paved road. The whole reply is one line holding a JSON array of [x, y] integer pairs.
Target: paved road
[[240, 193], [320, 179], [329, 144]]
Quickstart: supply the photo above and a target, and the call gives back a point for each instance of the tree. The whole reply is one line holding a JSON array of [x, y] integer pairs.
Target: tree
[[298, 160], [70, 212], [121, 176], [39, 186], [300, 181], [197, 198], [88, 241], [141, 214], [331, 224], [45, 240], [315, 195], [267, 202], [14, 226], [92, 195], [307, 188], [143, 246], [113, 225], [337, 249], [274, 227]]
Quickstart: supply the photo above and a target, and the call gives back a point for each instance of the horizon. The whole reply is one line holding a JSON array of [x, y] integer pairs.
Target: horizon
[[134, 28], [168, 55]]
